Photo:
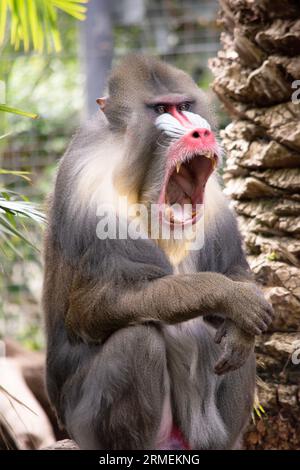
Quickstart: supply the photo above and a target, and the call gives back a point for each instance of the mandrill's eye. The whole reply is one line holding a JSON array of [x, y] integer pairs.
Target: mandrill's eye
[[184, 107], [160, 109]]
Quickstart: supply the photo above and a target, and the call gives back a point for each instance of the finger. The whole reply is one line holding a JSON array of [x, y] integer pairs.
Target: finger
[[224, 362], [232, 367], [260, 325], [253, 324], [267, 316], [251, 328], [221, 366], [227, 365], [271, 313], [220, 333], [263, 325], [231, 360]]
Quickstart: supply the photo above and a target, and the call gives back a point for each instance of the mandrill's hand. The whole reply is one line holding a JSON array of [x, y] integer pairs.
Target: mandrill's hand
[[246, 306], [237, 345]]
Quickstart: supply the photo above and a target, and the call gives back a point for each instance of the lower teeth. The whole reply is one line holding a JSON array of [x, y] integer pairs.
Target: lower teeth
[[178, 213]]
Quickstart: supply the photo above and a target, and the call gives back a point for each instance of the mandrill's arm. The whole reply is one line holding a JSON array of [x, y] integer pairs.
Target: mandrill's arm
[[99, 307]]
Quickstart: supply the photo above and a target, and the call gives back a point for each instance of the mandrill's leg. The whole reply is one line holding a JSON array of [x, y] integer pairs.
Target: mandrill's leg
[[124, 399]]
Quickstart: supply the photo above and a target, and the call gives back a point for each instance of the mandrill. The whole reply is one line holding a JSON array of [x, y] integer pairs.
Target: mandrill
[[149, 338]]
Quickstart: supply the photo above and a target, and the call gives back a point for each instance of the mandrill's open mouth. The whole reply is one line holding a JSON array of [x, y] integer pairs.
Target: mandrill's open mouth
[[182, 194], [191, 158]]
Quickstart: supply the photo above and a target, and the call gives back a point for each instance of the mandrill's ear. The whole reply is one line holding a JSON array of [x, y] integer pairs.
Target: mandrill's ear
[[102, 102]]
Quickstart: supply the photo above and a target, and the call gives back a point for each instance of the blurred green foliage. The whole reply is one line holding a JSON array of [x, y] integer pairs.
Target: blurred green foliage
[[33, 23], [49, 85]]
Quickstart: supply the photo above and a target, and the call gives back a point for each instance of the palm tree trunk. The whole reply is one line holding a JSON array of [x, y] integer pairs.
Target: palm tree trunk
[[254, 73]]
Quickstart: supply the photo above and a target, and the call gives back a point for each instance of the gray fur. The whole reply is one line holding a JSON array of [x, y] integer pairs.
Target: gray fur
[[125, 327]]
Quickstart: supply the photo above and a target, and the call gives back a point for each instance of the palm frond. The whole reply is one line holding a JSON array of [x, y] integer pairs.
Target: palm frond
[[12, 210], [34, 22], [8, 109], [21, 174]]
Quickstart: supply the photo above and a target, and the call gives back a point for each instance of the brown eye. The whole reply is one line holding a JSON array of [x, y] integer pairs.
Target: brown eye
[[160, 109], [184, 107]]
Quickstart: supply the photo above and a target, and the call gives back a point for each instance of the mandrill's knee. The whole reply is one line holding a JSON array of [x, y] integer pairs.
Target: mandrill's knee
[[138, 342], [123, 390]]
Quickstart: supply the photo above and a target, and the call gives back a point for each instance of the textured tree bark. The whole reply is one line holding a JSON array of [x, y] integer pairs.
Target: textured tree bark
[[254, 73]]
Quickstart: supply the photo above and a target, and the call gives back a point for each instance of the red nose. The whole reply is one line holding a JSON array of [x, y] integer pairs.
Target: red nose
[[199, 139], [203, 136]]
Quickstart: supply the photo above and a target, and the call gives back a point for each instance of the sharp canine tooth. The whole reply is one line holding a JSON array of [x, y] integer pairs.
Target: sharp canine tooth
[[178, 165], [169, 213], [210, 155]]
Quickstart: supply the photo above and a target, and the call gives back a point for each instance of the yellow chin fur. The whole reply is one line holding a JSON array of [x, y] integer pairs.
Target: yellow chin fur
[[176, 250]]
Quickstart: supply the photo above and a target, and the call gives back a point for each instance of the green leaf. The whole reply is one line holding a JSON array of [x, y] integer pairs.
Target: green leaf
[[34, 22], [52, 18], [10, 245], [72, 8], [12, 212], [14, 26], [8, 228], [21, 208], [5, 135], [23, 18], [34, 25], [8, 109], [3, 16], [22, 174]]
